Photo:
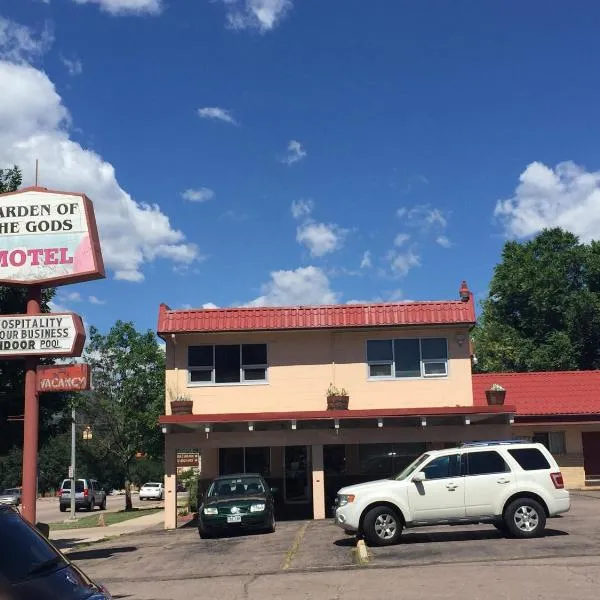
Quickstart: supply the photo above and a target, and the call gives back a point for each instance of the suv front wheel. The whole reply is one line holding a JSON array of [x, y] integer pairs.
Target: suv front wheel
[[525, 518], [382, 526]]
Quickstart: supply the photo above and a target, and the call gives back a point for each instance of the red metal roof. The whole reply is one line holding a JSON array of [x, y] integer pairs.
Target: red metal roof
[[544, 394], [317, 415], [456, 312]]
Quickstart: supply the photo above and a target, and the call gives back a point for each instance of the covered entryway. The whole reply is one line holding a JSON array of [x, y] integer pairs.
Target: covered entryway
[[308, 456], [591, 456]]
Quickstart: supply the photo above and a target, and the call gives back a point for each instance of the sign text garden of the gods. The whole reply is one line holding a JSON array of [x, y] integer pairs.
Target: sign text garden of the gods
[[47, 239]]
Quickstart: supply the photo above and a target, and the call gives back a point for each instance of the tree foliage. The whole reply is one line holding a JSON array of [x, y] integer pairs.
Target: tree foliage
[[542, 312], [10, 179], [128, 369]]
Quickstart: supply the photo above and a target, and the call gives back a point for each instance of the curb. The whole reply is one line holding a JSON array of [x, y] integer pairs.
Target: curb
[[362, 554]]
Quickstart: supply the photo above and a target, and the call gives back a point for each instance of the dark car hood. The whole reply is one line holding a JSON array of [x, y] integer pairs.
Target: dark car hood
[[234, 500], [66, 583]]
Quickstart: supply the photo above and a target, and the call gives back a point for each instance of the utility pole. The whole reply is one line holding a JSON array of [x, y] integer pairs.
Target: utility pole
[[73, 442]]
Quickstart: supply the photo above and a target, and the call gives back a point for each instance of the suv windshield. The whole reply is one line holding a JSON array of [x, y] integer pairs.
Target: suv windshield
[[24, 550], [236, 486], [411, 468]]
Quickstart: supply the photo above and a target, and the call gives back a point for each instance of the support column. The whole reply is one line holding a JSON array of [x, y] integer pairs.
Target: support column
[[318, 482], [170, 482]]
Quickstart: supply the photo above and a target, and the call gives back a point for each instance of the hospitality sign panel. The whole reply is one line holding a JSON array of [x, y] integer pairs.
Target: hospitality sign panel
[[48, 238], [41, 335]]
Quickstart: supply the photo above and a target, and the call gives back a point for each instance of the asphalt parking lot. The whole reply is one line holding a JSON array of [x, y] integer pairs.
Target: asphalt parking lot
[[157, 564]]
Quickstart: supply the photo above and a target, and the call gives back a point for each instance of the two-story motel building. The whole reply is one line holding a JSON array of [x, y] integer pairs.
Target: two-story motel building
[[258, 379]]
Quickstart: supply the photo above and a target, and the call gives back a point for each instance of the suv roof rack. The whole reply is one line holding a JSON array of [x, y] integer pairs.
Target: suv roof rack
[[493, 443]]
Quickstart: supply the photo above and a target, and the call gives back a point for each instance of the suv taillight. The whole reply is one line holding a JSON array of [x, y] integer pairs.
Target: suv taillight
[[557, 480], [86, 492], [60, 493]]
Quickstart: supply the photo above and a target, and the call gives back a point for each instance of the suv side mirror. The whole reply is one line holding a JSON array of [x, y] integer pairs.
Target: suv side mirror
[[419, 477]]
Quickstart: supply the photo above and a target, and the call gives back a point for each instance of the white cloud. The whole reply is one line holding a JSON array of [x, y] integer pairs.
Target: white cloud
[[127, 7], [263, 15], [71, 296], [443, 241], [320, 238], [198, 194], [216, 113], [34, 124], [301, 208], [402, 262], [423, 216], [209, 305], [95, 300], [302, 286], [74, 67], [295, 153], [366, 262], [566, 196], [19, 44], [401, 239]]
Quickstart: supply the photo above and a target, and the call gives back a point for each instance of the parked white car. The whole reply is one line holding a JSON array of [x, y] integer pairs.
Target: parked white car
[[152, 491], [513, 485]]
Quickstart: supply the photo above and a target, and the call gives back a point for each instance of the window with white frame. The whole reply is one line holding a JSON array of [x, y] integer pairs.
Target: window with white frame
[[224, 364], [407, 357]]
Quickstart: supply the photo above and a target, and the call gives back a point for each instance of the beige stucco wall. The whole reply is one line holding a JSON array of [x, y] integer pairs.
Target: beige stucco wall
[[302, 364]]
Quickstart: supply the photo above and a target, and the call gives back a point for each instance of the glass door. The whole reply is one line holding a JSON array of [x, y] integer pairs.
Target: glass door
[[298, 475]]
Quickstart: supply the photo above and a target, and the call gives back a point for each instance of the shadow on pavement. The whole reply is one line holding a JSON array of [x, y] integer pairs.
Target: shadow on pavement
[[459, 536], [100, 552], [346, 542]]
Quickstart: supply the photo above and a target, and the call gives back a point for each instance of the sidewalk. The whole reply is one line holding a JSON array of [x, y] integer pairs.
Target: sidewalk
[[67, 539]]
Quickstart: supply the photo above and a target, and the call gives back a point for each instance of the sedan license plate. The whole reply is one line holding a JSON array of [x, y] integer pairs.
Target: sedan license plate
[[234, 519]]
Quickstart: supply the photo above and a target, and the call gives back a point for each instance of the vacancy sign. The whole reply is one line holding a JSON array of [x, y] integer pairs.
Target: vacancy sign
[[63, 378], [48, 237], [41, 335]]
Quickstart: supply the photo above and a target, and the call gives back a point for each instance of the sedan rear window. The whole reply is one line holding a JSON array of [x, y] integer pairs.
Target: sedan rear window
[[530, 459], [23, 549]]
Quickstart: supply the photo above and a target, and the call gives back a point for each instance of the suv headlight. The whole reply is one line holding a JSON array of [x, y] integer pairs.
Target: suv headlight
[[211, 510], [344, 499], [257, 507]]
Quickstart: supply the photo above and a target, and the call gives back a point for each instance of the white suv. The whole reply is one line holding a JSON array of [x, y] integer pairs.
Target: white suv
[[513, 485]]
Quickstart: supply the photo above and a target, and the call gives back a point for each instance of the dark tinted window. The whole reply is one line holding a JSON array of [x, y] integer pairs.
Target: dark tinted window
[[443, 466], [407, 355], [227, 364], [254, 354], [22, 548], [530, 459], [200, 356], [78, 485], [434, 348], [483, 463], [379, 350]]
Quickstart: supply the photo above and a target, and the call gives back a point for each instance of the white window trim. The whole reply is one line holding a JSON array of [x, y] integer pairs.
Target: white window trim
[[392, 376], [242, 381]]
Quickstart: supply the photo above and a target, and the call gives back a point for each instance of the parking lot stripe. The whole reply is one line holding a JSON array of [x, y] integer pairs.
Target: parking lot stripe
[[289, 556]]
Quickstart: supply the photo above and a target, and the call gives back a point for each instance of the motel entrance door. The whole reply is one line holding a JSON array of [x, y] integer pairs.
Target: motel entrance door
[[297, 482]]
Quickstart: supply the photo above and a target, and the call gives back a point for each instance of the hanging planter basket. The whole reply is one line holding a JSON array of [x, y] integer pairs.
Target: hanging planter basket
[[495, 397], [338, 402], [181, 407]]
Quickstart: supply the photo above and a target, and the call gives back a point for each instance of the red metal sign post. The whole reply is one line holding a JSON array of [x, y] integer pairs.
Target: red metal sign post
[[47, 238]]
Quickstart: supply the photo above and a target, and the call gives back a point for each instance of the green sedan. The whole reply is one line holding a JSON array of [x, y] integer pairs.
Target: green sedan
[[236, 503]]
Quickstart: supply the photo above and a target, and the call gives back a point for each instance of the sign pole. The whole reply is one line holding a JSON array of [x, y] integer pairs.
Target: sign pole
[[31, 419], [73, 442]]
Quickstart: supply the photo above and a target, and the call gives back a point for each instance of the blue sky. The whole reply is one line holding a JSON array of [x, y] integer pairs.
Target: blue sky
[[303, 151]]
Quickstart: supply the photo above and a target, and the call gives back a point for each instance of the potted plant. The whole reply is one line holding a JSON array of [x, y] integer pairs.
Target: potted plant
[[337, 399], [495, 395], [182, 405]]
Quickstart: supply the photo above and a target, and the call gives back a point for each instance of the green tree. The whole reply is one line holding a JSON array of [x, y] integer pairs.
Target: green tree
[[542, 312], [128, 372], [10, 179]]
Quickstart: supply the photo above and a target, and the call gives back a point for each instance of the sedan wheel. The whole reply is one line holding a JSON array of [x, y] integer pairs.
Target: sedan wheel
[[382, 526], [525, 518]]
